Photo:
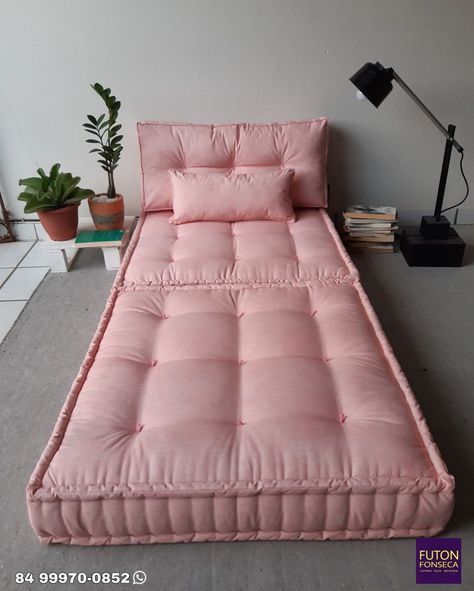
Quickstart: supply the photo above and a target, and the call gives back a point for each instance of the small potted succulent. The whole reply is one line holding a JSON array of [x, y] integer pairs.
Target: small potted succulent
[[55, 197], [107, 209]]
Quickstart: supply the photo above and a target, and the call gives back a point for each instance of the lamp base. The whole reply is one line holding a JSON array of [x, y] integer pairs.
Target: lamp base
[[431, 227], [431, 252]]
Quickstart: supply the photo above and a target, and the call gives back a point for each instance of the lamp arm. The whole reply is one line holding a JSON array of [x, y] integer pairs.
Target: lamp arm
[[447, 134]]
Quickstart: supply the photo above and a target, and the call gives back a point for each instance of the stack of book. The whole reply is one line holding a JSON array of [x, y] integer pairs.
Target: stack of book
[[370, 228]]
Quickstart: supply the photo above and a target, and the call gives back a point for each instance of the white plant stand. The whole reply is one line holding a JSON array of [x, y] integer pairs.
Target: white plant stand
[[113, 257], [62, 253]]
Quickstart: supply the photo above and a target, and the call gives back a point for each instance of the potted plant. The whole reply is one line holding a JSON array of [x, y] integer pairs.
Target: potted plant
[[55, 197], [107, 209]]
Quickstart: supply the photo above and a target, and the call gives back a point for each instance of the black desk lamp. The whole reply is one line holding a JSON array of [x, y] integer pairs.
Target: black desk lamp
[[435, 243]]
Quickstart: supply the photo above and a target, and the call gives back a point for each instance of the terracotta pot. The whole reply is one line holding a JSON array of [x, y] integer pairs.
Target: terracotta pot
[[107, 214], [60, 224]]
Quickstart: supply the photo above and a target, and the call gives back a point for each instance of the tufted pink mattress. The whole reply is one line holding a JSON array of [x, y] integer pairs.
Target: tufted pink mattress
[[239, 387], [242, 253]]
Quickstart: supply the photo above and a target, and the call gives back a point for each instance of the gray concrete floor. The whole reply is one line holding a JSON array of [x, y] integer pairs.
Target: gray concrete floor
[[428, 317]]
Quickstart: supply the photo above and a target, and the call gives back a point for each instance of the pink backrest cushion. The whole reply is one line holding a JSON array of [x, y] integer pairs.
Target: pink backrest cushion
[[301, 146], [232, 197]]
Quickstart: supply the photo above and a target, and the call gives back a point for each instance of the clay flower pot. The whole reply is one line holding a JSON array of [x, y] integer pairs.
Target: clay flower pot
[[60, 224], [107, 214]]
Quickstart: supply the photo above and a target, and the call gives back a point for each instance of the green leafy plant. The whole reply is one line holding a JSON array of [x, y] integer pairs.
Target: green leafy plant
[[105, 132], [53, 191]]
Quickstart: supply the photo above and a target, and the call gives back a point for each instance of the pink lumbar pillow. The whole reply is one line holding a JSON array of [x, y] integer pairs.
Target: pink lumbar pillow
[[231, 197]]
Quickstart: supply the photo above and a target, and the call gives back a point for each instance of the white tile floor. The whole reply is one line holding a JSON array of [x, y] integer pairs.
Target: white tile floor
[[36, 257], [11, 253], [22, 268], [4, 274], [22, 283]]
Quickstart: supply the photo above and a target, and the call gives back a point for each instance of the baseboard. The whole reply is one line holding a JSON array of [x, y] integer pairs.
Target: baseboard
[[33, 230], [25, 230]]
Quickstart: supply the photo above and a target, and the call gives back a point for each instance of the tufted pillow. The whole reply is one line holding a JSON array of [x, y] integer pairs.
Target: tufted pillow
[[232, 197], [242, 148]]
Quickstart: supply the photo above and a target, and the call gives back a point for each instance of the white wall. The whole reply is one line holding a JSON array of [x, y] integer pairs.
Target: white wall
[[248, 60]]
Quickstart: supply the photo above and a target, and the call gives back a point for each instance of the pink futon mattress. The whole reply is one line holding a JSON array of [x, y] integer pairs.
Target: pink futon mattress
[[239, 387]]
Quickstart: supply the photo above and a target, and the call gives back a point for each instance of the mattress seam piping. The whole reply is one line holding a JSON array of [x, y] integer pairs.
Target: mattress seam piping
[[55, 440]]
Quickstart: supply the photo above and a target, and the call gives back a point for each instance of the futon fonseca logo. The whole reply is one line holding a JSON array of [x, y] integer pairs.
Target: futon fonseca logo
[[438, 560]]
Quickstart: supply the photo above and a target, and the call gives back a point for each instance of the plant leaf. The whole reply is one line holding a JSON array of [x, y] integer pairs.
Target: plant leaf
[[24, 196], [94, 133], [69, 187], [78, 194], [53, 173], [32, 205], [92, 119], [32, 182]]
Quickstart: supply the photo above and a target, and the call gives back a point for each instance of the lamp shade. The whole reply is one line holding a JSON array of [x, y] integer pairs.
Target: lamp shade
[[373, 81]]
